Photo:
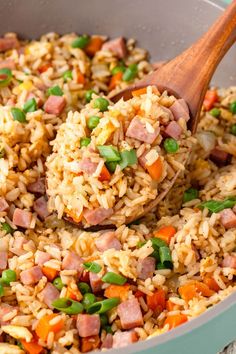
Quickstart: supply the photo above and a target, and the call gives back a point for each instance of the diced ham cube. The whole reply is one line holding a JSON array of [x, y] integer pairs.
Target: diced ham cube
[[8, 63], [96, 216], [88, 325], [229, 261], [218, 156], [41, 257], [72, 261], [8, 43], [130, 314], [116, 46], [138, 130], [37, 186], [95, 282], [49, 294], [55, 104], [180, 109], [5, 309], [86, 165], [41, 208], [18, 245], [31, 276], [228, 218], [173, 130], [146, 267], [107, 241], [3, 204], [107, 341], [22, 218], [3, 260], [122, 339]]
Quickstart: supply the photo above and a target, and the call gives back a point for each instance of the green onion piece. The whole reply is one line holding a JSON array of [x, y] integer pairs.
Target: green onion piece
[[215, 206], [130, 73], [8, 276], [68, 306], [215, 112], [101, 103], [80, 42], [118, 69], [67, 75], [160, 266], [128, 158], [111, 166], [84, 288], [2, 153], [108, 329], [30, 105], [57, 282], [1, 290], [6, 227], [157, 242], [233, 129], [156, 255], [88, 95], [84, 141], [5, 77], [88, 300], [190, 194], [93, 122], [55, 91], [103, 306], [103, 319], [141, 244], [165, 257], [232, 107], [109, 153], [171, 146], [114, 278], [18, 115], [92, 267]]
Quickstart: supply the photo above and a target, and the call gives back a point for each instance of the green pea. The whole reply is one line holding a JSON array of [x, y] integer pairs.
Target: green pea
[[84, 288], [8, 276], [171, 146], [57, 282], [215, 112], [80, 42], [84, 141], [6, 227], [93, 122], [67, 75], [103, 319], [233, 129], [88, 95], [232, 107], [18, 115], [1, 290], [130, 73], [101, 103], [88, 300]]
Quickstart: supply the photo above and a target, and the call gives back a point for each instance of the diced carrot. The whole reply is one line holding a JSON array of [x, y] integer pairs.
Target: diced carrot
[[157, 301], [80, 78], [50, 273], [115, 80], [73, 215], [194, 289], [211, 283], [89, 343], [120, 291], [210, 98], [94, 46], [175, 320], [139, 92], [170, 306], [165, 233], [44, 327], [155, 170], [44, 67], [139, 294], [32, 347], [73, 294], [104, 174]]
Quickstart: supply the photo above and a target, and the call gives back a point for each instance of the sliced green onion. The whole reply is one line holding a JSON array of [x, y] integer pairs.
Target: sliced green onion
[[130, 73], [108, 329], [190, 194], [88, 95], [232, 107], [109, 153], [55, 91], [2, 153], [114, 278], [84, 141], [215, 206], [67, 75], [5, 77], [171, 146], [128, 158], [103, 319], [80, 42], [101, 103], [141, 244], [111, 165], [88, 300], [165, 257], [6, 227], [68, 306], [157, 242], [30, 105], [92, 267], [156, 255], [1, 290], [233, 129], [103, 306], [57, 282], [18, 115], [118, 69], [215, 112], [84, 288], [92, 122], [8, 276], [160, 266]]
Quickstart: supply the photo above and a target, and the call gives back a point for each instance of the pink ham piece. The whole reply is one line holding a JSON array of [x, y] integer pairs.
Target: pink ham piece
[[107, 342], [228, 218], [18, 245], [22, 218], [31, 276], [86, 165], [218, 156], [130, 314], [8, 64], [146, 267], [138, 130], [122, 339], [8, 43], [55, 104], [3, 260], [88, 325], [41, 257], [107, 241], [229, 261], [37, 187], [95, 282], [116, 46], [49, 294], [173, 130], [72, 261], [41, 208], [96, 216], [5, 309], [180, 109], [3, 204]]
